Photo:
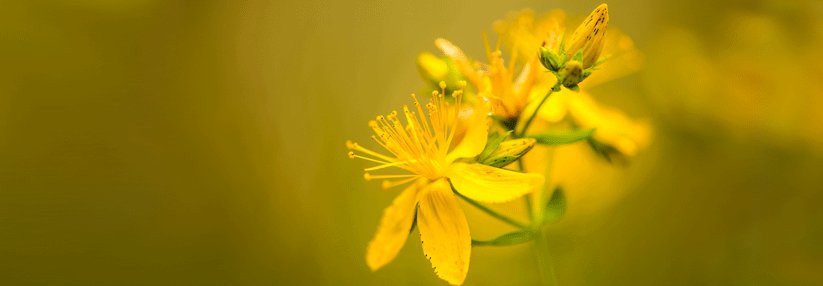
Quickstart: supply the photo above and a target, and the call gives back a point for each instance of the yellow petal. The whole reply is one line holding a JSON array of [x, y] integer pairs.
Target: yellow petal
[[394, 229], [623, 59], [489, 184], [444, 232], [477, 132]]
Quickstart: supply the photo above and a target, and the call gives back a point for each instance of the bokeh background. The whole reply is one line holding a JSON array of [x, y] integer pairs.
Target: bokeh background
[[202, 143]]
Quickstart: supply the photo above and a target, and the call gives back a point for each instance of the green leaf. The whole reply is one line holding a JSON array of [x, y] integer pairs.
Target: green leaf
[[500, 162], [491, 145], [555, 208], [511, 238], [563, 137]]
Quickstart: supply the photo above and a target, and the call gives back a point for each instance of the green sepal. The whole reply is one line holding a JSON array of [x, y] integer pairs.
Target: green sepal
[[575, 88], [491, 144], [578, 56], [499, 162], [511, 238], [563, 137], [562, 50], [555, 207]]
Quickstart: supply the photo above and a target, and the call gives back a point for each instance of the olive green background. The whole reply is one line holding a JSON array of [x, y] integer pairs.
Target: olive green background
[[202, 143]]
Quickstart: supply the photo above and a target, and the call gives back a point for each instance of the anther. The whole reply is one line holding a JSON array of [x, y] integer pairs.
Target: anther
[[349, 144], [386, 184], [442, 85], [367, 176], [351, 155], [435, 93], [462, 83]]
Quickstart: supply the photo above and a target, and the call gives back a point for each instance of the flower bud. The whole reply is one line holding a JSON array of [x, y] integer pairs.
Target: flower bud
[[517, 147], [550, 59], [571, 74], [588, 37]]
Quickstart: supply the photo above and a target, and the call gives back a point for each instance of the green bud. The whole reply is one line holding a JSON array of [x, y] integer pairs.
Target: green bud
[[550, 60], [571, 74], [508, 151], [517, 147]]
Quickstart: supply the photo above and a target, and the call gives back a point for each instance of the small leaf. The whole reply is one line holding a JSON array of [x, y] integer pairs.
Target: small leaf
[[500, 162], [491, 145], [563, 137], [555, 208], [511, 238]]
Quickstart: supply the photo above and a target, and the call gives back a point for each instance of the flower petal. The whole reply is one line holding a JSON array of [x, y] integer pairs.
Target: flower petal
[[394, 229], [477, 132], [489, 184], [444, 232]]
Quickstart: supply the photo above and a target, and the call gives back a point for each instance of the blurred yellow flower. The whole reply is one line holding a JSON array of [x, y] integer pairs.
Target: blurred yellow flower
[[422, 148], [495, 81], [616, 134]]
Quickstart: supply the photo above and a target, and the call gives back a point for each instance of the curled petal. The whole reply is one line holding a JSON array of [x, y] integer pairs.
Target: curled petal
[[489, 184], [477, 132], [444, 232]]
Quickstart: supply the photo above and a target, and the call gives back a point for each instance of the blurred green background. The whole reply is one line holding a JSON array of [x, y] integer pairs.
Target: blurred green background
[[202, 142]]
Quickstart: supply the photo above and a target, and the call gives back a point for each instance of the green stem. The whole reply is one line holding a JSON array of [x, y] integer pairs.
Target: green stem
[[544, 260], [491, 243], [529, 122], [491, 212]]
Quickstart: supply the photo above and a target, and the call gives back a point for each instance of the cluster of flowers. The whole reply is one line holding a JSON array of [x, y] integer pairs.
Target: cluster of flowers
[[461, 141]]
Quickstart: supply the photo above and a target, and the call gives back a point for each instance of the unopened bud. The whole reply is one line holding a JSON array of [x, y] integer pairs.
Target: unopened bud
[[517, 147], [588, 37], [571, 74], [550, 59]]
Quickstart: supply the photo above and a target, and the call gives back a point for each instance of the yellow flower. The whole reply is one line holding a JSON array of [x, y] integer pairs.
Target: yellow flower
[[617, 136], [496, 81], [423, 149], [615, 133]]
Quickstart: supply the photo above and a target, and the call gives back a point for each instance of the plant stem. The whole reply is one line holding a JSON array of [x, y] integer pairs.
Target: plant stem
[[491, 212], [544, 260], [529, 122]]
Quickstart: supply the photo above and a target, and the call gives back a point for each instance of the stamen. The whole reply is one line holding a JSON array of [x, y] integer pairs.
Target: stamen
[[369, 177], [389, 165], [486, 45], [352, 155], [389, 184]]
